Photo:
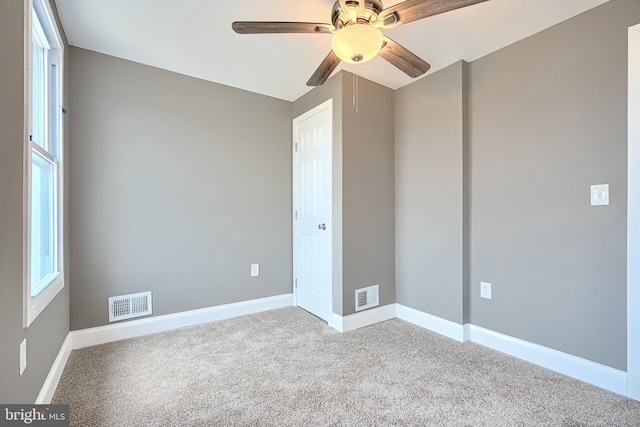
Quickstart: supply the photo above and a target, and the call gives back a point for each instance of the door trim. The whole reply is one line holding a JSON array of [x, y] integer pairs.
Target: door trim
[[327, 105], [633, 218]]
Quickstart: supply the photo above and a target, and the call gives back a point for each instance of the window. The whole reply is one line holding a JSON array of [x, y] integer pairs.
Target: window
[[44, 276]]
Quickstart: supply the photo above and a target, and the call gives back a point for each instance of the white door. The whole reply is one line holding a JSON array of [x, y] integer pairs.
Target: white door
[[312, 140]]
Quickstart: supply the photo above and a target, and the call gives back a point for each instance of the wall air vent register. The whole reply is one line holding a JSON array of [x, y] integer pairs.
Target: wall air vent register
[[129, 306]]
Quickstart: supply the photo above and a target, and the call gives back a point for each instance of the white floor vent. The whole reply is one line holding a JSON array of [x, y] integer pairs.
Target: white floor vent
[[128, 306], [367, 297]]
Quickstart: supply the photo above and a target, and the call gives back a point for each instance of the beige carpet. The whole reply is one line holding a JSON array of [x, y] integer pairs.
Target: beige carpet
[[287, 368]]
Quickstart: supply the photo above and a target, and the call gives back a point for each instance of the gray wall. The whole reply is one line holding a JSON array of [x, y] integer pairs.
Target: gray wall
[[548, 119], [368, 191], [177, 186], [47, 332], [430, 186], [363, 193]]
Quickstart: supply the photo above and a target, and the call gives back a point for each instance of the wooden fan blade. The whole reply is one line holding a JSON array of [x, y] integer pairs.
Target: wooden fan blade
[[257, 27], [403, 59], [413, 10], [324, 70]]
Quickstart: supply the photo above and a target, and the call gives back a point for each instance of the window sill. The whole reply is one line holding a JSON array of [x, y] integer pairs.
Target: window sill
[[36, 305], [44, 283]]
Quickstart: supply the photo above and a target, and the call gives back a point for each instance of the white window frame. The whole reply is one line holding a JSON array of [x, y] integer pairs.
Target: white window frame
[[53, 283]]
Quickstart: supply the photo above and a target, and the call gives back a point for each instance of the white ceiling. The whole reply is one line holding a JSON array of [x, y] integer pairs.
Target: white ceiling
[[194, 37]]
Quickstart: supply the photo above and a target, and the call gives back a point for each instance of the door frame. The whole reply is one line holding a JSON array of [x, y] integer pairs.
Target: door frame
[[327, 105], [633, 218]]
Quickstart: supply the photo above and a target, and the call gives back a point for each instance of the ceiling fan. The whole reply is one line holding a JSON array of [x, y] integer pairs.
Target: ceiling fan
[[356, 32]]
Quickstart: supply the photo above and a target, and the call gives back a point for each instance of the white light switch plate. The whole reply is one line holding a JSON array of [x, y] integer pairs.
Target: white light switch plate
[[23, 356], [600, 195], [485, 290], [255, 270]]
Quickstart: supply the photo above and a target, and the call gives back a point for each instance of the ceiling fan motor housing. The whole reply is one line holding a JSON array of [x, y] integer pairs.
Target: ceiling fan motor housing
[[341, 18]]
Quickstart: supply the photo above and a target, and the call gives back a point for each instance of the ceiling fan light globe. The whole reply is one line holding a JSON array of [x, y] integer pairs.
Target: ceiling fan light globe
[[357, 43]]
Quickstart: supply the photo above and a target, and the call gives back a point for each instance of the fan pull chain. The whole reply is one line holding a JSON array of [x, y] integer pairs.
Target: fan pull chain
[[355, 88], [357, 91]]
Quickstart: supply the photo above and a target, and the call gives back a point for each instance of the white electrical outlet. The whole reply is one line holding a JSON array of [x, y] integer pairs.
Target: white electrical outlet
[[23, 356], [600, 195], [255, 270], [485, 290]]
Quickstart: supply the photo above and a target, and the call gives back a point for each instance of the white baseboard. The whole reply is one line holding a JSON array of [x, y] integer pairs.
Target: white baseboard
[[363, 318], [51, 382], [433, 323], [466, 332], [152, 325], [576, 367], [582, 369], [599, 375]]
